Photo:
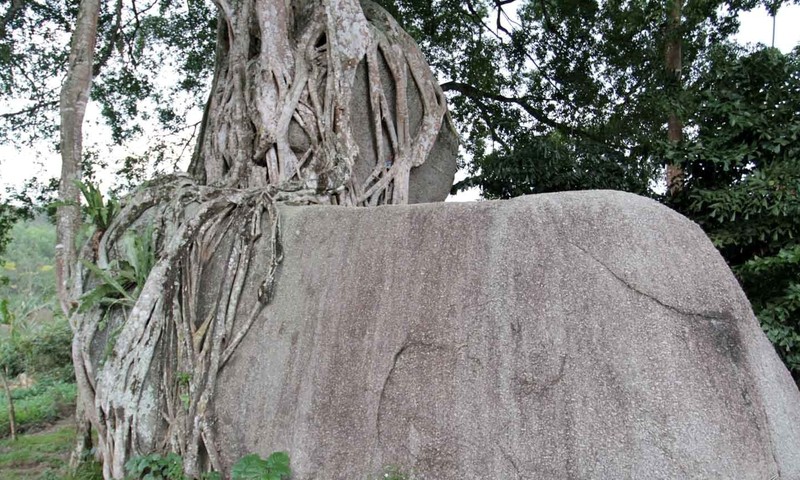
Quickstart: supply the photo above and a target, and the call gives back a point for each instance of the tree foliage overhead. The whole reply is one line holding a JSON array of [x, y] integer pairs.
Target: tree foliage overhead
[[141, 48], [585, 76], [33, 56], [742, 164]]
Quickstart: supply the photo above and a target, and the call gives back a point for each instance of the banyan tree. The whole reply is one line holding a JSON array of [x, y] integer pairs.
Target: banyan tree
[[325, 102]]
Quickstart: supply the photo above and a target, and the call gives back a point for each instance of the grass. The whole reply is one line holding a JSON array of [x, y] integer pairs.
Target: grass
[[43, 455], [44, 411], [38, 405], [33, 454]]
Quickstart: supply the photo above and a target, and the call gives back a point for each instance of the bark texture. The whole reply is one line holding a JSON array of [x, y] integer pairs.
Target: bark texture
[[74, 97], [673, 64], [152, 368], [282, 104], [313, 102]]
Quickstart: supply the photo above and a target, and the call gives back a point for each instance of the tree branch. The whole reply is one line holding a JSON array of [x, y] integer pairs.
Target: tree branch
[[31, 109], [11, 14], [524, 103], [106, 51]]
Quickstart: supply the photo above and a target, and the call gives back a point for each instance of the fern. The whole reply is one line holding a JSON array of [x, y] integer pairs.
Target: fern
[[101, 212]]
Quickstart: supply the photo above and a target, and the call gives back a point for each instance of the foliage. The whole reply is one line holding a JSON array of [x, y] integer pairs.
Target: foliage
[[37, 405], [46, 452], [155, 467], [10, 214], [99, 211], [134, 40], [41, 344], [26, 59], [170, 467], [542, 164], [591, 71], [47, 351], [121, 282], [583, 81], [28, 267], [253, 467], [88, 470], [11, 356], [743, 180]]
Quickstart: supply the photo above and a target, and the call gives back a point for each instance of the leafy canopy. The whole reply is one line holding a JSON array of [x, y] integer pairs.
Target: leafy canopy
[[742, 161]]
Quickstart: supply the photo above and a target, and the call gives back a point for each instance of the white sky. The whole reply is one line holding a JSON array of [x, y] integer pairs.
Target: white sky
[[756, 27]]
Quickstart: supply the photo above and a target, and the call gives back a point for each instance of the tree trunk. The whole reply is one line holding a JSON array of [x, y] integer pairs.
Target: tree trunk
[[312, 102], [12, 417], [673, 66], [74, 97], [280, 107]]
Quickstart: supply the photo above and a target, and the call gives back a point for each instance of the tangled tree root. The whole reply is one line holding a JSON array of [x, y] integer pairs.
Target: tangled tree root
[[219, 254], [277, 129]]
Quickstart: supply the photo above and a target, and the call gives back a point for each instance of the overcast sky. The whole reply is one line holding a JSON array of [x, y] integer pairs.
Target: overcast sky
[[756, 27]]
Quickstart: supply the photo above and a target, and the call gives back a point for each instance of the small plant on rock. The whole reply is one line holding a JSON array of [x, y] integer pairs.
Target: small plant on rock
[[121, 282], [99, 210], [253, 467], [155, 467]]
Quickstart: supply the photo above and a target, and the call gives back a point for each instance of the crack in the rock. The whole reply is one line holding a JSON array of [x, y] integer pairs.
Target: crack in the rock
[[383, 388], [510, 459], [405, 346], [712, 316]]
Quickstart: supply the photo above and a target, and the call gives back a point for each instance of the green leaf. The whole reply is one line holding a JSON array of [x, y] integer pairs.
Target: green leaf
[[278, 463], [253, 467], [108, 279], [250, 467]]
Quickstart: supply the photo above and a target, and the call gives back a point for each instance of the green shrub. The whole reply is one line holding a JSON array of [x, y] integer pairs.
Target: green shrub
[[43, 403], [170, 467], [48, 352], [89, 470], [12, 359], [99, 210], [155, 467], [123, 280]]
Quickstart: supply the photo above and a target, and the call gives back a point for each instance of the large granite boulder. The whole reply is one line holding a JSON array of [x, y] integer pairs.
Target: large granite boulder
[[571, 335]]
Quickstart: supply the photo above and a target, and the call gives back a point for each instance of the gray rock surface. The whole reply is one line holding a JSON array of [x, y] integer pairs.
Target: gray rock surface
[[573, 335]]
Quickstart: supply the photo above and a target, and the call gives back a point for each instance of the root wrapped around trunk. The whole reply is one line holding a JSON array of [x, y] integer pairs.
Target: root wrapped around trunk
[[332, 99], [152, 368], [313, 102]]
